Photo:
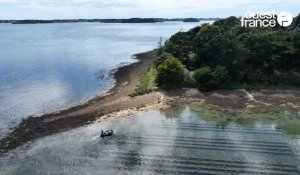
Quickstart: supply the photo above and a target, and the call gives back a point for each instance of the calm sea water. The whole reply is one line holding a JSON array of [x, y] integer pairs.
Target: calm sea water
[[47, 67], [169, 141]]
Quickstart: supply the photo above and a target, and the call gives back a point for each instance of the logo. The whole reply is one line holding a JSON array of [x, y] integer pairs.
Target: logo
[[266, 19], [285, 19]]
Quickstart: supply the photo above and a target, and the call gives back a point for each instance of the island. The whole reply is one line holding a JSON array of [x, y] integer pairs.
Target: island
[[129, 20]]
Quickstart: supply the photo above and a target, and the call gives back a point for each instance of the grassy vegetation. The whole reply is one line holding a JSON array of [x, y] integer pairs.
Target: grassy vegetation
[[210, 113], [148, 83], [292, 127], [288, 120]]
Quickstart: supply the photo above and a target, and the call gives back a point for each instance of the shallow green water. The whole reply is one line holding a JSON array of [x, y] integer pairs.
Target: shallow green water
[[170, 141]]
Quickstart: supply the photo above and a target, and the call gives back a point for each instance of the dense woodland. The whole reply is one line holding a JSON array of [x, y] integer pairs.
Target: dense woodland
[[224, 55]]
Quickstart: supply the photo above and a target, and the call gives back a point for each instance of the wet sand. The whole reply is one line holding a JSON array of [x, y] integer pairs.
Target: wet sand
[[116, 103], [117, 99], [236, 101]]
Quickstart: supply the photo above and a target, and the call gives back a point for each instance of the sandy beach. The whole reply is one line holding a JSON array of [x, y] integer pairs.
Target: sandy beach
[[117, 103]]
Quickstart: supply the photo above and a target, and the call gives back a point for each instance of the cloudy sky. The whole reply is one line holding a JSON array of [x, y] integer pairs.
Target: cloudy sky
[[67, 9]]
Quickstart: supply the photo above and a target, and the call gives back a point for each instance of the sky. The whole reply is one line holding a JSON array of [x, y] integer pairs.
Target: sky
[[73, 9]]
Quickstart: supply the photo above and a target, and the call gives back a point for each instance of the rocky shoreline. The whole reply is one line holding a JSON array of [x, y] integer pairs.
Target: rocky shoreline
[[117, 103], [127, 78]]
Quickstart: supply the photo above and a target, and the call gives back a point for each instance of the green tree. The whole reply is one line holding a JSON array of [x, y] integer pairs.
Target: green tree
[[220, 76], [207, 44], [162, 58], [170, 73], [214, 47], [296, 24], [202, 75], [179, 45], [263, 48], [246, 56], [160, 47], [208, 79], [228, 23]]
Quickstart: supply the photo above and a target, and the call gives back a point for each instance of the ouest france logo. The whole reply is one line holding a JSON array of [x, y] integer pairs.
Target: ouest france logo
[[266, 19]]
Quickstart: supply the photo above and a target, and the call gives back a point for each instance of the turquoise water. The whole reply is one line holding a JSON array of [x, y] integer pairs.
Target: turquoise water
[[169, 141], [47, 67]]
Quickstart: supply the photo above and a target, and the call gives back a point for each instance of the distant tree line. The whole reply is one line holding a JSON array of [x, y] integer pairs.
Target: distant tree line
[[226, 55], [130, 20]]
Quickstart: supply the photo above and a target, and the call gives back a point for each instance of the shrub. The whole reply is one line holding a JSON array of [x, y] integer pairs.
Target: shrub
[[162, 58], [220, 76], [170, 73], [208, 79], [202, 74]]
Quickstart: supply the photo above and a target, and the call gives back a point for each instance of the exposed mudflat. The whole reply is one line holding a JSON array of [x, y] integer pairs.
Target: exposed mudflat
[[117, 103]]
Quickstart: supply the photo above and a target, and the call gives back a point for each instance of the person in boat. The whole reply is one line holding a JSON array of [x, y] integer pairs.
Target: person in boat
[[106, 133], [101, 135]]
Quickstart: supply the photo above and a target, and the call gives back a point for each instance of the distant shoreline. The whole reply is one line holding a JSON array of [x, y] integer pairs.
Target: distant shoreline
[[129, 20]]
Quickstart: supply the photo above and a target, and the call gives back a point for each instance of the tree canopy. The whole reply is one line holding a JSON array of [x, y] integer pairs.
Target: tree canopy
[[241, 55], [170, 73]]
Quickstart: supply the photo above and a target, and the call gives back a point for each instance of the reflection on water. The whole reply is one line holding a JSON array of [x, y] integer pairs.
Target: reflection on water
[[53, 66], [288, 120], [170, 141]]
